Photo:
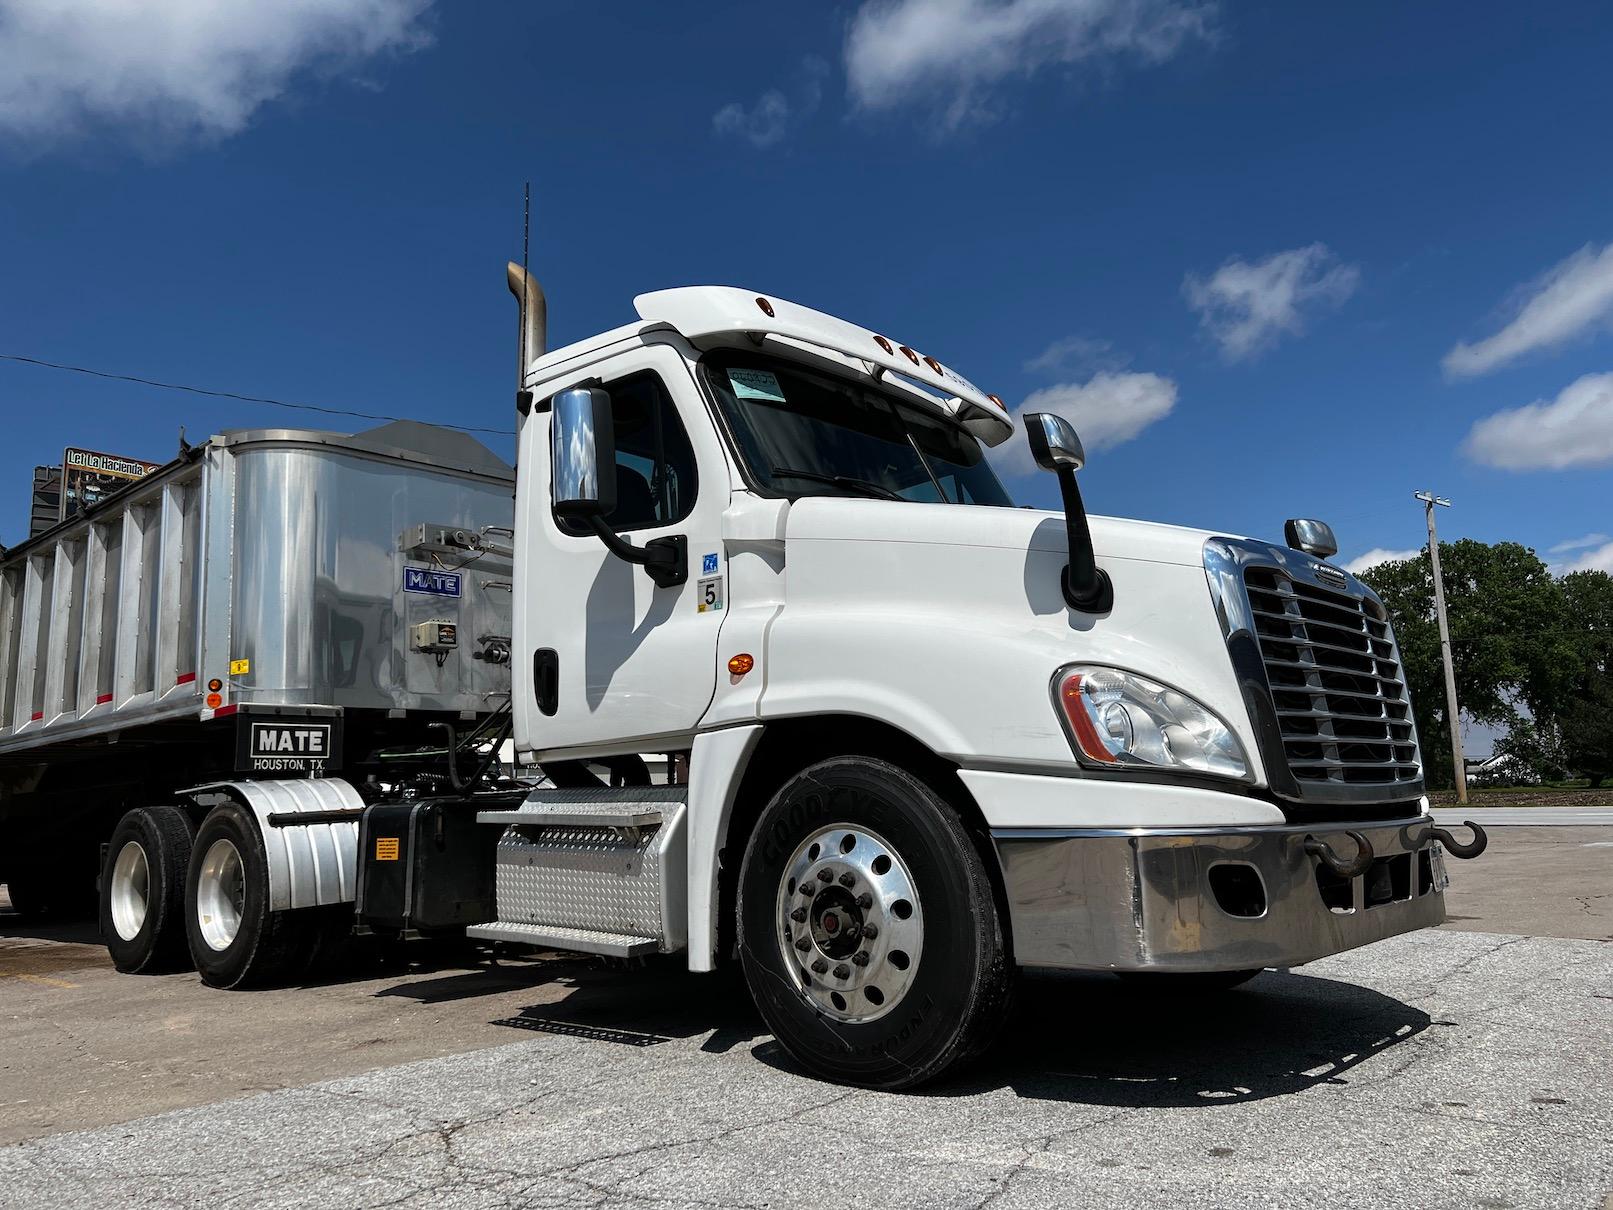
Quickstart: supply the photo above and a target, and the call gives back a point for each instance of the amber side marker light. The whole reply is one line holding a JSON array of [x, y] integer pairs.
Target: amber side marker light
[[214, 701], [767, 307], [1086, 732], [742, 663]]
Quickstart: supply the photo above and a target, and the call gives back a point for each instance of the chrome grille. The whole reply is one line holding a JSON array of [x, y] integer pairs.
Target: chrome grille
[[1337, 688]]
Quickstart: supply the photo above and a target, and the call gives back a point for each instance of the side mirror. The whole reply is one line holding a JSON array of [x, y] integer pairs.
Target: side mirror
[[1054, 443], [582, 453], [1057, 448], [582, 482], [1312, 537]]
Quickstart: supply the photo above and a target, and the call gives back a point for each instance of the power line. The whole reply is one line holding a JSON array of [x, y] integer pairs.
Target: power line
[[279, 403]]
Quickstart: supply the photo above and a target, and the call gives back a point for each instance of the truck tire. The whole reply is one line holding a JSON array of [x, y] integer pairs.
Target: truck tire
[[235, 940], [143, 890], [868, 928]]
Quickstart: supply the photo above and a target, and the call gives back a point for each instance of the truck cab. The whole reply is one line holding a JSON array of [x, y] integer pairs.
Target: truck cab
[[929, 737]]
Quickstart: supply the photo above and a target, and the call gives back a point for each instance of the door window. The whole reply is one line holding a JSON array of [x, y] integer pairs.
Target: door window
[[655, 468]]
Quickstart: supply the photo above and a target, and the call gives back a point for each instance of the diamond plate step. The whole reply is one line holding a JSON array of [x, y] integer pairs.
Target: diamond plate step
[[586, 941], [592, 807]]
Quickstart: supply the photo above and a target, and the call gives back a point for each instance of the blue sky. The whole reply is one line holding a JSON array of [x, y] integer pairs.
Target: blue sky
[[1275, 259]]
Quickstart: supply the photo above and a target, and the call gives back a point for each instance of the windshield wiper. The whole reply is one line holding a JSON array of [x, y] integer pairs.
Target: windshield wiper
[[866, 486]]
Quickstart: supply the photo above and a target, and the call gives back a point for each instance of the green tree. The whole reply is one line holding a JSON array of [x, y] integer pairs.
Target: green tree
[[1585, 711], [1510, 639]]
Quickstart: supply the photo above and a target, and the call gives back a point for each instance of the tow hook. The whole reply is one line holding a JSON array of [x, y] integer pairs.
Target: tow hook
[[1468, 851], [1344, 869]]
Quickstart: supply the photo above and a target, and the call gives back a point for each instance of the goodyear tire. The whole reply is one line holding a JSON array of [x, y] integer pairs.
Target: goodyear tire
[[143, 890], [868, 927], [234, 938]]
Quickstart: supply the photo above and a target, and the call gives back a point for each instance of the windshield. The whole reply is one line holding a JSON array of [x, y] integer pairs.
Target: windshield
[[803, 433]]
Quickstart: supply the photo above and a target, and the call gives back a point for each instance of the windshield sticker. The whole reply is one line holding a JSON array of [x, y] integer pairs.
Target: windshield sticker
[[756, 384]]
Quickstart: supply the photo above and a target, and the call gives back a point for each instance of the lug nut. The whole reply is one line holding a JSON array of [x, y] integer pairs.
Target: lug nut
[[807, 889], [799, 915], [865, 901], [803, 944], [842, 971], [860, 958], [825, 876], [870, 931], [848, 879], [819, 967]]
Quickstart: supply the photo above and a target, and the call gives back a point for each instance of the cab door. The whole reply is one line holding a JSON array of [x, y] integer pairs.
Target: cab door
[[605, 659]]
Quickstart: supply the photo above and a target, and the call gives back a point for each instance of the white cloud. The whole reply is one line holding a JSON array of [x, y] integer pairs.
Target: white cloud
[[1579, 543], [762, 125], [1379, 555], [953, 54], [1074, 352], [766, 122], [1247, 306], [165, 70], [1575, 429], [1600, 559], [1565, 301], [1107, 410]]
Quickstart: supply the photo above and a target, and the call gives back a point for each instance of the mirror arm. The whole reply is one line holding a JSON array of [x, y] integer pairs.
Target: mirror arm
[[1086, 585], [665, 559]]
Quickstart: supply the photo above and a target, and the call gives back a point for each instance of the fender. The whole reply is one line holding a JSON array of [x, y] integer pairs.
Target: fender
[[309, 866], [717, 764]]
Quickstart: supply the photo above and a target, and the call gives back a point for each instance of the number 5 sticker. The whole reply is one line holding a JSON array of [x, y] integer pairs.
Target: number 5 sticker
[[708, 594]]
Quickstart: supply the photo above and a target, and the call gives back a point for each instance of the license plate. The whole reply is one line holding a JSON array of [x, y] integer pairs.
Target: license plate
[[1436, 864]]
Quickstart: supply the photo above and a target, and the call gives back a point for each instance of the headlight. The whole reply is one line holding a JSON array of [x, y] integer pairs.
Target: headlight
[[1118, 718]]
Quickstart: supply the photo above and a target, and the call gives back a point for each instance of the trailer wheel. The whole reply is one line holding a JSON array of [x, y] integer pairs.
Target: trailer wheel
[[143, 890], [235, 940], [869, 931]]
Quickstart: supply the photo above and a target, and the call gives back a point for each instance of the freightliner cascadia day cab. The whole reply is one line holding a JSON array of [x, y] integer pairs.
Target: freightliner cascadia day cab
[[917, 738]]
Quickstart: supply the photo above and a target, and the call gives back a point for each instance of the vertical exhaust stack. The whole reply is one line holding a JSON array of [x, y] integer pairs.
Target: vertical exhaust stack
[[534, 320]]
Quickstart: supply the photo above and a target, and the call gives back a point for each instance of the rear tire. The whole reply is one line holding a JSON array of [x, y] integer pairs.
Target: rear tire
[[143, 890], [868, 927], [235, 940]]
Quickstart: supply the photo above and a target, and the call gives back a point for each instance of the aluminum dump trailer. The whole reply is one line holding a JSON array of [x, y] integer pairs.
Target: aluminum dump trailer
[[274, 603]]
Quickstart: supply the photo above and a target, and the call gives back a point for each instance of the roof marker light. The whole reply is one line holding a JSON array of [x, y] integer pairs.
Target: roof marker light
[[884, 344], [767, 307], [997, 399], [910, 355], [934, 365]]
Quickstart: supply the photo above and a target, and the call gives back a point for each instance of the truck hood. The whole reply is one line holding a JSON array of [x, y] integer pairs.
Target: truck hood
[[832, 518]]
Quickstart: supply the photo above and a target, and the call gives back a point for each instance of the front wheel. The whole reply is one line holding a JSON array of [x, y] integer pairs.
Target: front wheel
[[870, 937]]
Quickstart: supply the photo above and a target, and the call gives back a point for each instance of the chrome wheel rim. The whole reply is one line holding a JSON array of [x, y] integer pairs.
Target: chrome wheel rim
[[851, 929], [131, 890], [220, 895]]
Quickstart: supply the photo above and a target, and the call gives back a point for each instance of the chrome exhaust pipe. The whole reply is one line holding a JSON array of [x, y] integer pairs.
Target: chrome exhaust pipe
[[534, 318]]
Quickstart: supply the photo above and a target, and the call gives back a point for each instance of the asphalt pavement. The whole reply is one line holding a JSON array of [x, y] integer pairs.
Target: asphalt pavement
[[1439, 1069]]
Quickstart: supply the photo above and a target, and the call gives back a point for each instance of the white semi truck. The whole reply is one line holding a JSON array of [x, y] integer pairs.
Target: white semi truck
[[917, 738]]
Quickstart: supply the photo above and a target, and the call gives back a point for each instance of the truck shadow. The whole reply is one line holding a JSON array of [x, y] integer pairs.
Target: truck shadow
[[1080, 1038], [1095, 1040]]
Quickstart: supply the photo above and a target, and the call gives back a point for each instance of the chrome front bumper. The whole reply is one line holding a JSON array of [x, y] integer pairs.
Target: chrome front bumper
[[1206, 899]]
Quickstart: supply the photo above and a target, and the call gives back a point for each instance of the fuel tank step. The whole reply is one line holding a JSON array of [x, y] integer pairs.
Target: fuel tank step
[[585, 941], [591, 807]]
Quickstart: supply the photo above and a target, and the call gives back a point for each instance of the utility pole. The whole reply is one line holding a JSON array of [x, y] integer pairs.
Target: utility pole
[[1429, 500]]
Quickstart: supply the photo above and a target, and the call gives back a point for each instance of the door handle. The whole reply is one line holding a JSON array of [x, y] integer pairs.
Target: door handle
[[546, 679]]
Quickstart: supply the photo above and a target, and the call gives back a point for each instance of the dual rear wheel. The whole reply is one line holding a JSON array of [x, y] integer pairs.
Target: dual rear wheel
[[174, 894]]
